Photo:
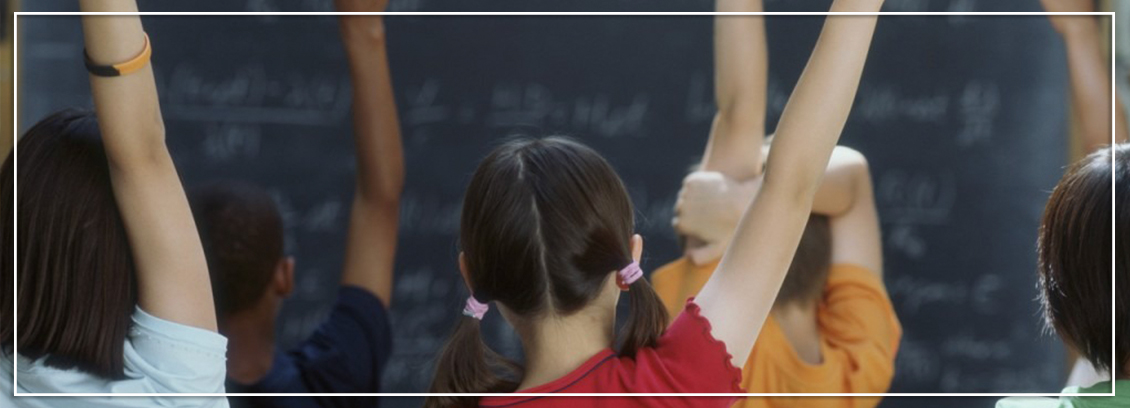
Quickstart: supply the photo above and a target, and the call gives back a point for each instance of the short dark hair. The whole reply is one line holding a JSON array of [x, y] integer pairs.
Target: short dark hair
[[76, 276], [242, 234], [1075, 262], [808, 273]]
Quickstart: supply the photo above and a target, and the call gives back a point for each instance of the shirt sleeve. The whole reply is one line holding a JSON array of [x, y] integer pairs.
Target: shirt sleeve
[[686, 359], [857, 316], [349, 351], [166, 357]]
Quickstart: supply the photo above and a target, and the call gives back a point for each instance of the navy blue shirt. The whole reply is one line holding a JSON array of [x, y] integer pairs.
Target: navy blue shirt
[[346, 354]]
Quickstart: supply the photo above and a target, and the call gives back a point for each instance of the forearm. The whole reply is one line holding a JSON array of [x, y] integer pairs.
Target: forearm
[[374, 218], [818, 108], [740, 82], [1090, 81], [380, 163], [111, 39], [126, 106]]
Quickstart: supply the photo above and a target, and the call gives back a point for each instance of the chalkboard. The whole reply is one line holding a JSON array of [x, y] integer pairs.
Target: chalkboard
[[962, 118]]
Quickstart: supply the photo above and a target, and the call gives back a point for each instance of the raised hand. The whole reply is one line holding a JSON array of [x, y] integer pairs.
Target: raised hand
[[362, 25], [373, 221], [708, 210]]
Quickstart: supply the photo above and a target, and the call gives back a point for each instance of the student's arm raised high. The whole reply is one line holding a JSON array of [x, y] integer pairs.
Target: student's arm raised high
[[741, 292], [741, 70], [1090, 73], [713, 204], [172, 275], [373, 222], [741, 61]]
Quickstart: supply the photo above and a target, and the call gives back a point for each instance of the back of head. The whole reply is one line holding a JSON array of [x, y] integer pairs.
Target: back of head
[[242, 234], [1075, 262], [76, 277], [808, 274], [544, 224]]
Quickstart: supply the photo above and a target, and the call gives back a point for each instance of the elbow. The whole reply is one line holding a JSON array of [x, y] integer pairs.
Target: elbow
[[147, 154], [383, 193], [741, 112], [853, 160]]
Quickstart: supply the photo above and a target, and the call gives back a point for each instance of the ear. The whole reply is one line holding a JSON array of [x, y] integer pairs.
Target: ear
[[637, 247], [463, 270], [284, 277]]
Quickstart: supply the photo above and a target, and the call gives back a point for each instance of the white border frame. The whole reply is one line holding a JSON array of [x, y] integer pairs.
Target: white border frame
[[15, 130]]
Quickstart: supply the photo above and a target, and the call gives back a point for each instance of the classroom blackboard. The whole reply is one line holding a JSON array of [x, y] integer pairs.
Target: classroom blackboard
[[963, 120]]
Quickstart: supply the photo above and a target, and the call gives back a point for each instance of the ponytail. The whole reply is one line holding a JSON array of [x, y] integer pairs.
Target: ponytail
[[646, 321], [467, 365]]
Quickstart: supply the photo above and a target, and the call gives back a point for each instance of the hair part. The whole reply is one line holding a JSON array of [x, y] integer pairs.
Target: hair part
[[241, 231], [1074, 262], [76, 277], [545, 222]]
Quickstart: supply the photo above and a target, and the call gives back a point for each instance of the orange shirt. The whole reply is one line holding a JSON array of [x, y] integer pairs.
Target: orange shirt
[[859, 339]]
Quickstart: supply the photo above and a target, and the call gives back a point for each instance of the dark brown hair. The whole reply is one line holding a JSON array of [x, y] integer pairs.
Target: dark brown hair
[[242, 234], [545, 223], [76, 277], [1075, 259], [808, 273]]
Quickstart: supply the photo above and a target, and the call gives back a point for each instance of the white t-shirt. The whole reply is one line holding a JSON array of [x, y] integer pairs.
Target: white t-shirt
[[160, 357]]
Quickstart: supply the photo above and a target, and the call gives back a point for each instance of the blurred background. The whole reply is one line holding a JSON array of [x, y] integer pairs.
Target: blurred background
[[965, 121]]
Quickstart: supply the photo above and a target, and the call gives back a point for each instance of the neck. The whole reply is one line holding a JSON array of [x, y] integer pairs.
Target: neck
[[798, 323], [251, 345], [556, 346]]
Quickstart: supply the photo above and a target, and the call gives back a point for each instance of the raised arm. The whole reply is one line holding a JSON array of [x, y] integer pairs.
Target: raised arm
[[741, 292], [172, 275], [1090, 73], [371, 247], [848, 199], [741, 61], [712, 205]]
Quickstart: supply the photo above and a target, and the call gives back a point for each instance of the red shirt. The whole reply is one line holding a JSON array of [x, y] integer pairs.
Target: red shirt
[[686, 359]]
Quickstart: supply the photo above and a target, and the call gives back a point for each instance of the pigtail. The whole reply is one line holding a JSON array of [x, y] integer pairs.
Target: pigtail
[[646, 321], [467, 365]]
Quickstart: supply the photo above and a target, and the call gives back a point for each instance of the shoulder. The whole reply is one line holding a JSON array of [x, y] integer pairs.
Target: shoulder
[[347, 353], [857, 314], [149, 331], [687, 358], [359, 314], [852, 283], [175, 357]]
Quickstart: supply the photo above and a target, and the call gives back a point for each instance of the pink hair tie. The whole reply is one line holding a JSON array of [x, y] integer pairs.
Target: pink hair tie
[[475, 309], [629, 275]]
